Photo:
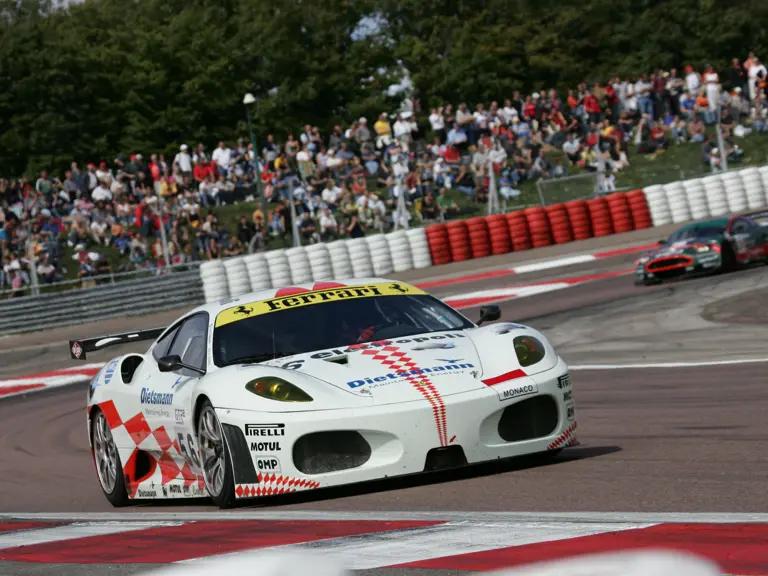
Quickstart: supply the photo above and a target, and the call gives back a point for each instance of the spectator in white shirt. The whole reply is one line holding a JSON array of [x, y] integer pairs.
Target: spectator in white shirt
[[692, 80], [328, 226], [331, 195], [223, 158], [754, 70], [102, 193], [437, 122], [184, 161]]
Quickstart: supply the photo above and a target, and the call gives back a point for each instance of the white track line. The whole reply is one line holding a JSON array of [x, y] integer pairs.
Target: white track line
[[448, 516], [379, 549], [667, 364], [72, 531]]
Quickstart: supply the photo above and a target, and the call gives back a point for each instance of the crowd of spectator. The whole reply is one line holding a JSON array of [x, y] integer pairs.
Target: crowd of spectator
[[349, 182]]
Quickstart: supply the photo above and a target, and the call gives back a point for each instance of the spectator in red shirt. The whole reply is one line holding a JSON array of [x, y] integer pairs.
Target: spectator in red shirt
[[592, 107]]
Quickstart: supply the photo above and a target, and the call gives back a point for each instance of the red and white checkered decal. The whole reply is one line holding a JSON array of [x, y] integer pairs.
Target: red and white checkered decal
[[271, 484], [567, 438], [173, 466]]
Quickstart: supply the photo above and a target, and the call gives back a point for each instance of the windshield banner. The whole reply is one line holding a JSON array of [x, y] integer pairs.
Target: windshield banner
[[298, 299]]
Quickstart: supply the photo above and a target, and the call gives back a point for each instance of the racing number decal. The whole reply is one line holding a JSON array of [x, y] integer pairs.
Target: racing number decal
[[294, 365], [188, 449]]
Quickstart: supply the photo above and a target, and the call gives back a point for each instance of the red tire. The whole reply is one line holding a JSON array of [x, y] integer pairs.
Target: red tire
[[518, 231], [538, 225], [638, 206], [621, 216], [439, 246], [600, 217], [559, 224], [501, 242], [458, 239]]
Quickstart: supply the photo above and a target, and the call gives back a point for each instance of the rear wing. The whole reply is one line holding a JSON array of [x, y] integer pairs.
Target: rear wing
[[78, 349]]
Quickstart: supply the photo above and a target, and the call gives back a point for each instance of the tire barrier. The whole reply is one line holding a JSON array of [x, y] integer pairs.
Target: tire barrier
[[258, 271], [320, 262], [420, 248], [658, 205], [753, 188], [714, 191], [578, 218], [498, 231], [298, 263], [678, 202], [458, 240], [439, 244], [214, 278], [380, 255], [479, 237], [600, 216], [735, 195], [279, 270], [638, 206], [697, 198], [400, 250], [559, 223], [360, 256], [538, 224], [341, 264], [518, 231], [237, 277]]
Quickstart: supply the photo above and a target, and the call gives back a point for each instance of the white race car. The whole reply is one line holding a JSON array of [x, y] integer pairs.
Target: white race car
[[319, 385]]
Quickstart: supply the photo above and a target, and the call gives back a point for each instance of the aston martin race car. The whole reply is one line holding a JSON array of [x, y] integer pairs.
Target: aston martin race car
[[319, 385], [706, 247]]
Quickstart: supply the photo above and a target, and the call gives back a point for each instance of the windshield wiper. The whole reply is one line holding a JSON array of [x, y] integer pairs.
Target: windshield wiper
[[256, 358]]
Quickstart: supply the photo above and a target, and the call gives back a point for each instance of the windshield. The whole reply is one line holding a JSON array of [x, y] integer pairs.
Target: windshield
[[699, 233], [330, 325]]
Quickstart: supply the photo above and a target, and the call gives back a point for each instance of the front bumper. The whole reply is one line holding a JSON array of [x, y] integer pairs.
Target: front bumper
[[403, 438], [678, 266]]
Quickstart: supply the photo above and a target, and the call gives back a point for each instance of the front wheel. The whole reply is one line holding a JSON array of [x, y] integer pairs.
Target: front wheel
[[215, 460], [108, 466]]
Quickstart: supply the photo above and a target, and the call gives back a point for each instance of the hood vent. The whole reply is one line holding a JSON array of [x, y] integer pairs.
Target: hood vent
[[435, 346], [338, 360]]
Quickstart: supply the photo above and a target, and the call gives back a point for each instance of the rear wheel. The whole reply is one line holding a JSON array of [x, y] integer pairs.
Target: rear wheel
[[215, 460], [108, 466], [728, 257]]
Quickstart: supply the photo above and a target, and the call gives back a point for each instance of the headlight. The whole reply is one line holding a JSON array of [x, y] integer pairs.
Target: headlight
[[703, 249], [277, 389], [529, 350]]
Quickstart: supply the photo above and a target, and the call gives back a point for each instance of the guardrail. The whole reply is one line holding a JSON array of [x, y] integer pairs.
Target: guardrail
[[126, 298]]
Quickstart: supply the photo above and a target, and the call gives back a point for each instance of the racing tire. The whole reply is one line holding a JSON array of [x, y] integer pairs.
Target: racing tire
[[107, 461], [728, 258], [215, 459]]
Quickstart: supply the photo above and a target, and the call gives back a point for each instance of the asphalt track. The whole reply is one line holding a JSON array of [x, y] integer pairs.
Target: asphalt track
[[655, 439]]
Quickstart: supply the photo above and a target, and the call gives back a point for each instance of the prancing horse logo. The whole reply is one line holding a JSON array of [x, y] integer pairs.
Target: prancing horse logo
[[398, 288], [243, 310]]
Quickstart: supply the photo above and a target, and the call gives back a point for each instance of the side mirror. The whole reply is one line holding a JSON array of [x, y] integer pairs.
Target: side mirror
[[169, 363], [662, 242], [173, 363], [489, 313]]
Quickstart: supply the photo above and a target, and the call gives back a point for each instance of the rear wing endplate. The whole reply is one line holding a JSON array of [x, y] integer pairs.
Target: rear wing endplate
[[78, 349]]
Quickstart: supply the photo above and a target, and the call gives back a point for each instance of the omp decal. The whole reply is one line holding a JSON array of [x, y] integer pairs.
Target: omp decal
[[506, 377], [270, 484], [567, 438], [269, 464], [400, 374], [398, 361], [306, 298], [151, 442]]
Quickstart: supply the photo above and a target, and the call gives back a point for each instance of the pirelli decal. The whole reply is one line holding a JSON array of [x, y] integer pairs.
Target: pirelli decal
[[309, 297]]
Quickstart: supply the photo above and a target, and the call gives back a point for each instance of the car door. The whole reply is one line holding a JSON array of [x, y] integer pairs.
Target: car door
[[742, 239], [190, 345]]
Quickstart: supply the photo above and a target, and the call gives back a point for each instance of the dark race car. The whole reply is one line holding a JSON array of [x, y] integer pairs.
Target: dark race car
[[717, 245]]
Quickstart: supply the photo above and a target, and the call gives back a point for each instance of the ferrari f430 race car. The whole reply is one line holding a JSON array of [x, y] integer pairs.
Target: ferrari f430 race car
[[319, 385], [707, 247]]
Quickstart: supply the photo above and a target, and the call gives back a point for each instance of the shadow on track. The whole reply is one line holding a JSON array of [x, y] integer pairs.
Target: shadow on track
[[412, 480]]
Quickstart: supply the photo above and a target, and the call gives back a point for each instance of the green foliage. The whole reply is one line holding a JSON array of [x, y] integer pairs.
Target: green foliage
[[104, 77]]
